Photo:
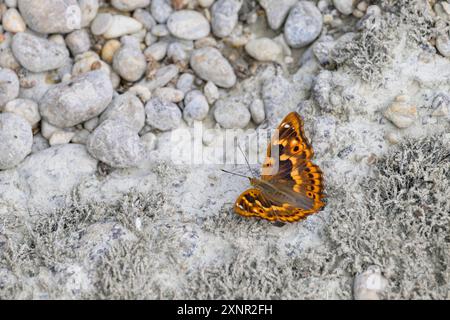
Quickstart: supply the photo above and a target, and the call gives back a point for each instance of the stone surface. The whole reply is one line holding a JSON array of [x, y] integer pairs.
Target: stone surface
[[9, 86], [224, 16], [188, 24], [277, 11], [196, 106], [231, 114], [162, 115], [303, 24], [129, 5], [264, 49], [26, 108], [129, 62]]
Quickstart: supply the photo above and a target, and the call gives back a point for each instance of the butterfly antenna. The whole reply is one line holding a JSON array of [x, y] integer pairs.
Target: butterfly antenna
[[234, 173], [246, 160]]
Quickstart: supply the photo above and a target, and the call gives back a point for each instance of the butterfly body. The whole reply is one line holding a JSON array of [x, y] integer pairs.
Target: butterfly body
[[291, 186]]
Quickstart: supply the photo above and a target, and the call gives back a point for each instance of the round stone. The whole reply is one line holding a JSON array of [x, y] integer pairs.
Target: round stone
[[129, 62], [9, 86], [264, 49], [224, 16], [188, 25], [162, 115], [101, 23], [231, 114], [303, 24]]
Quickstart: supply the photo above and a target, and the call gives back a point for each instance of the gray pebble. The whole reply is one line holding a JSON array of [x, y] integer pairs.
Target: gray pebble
[[177, 52], [257, 111], [160, 30], [144, 17], [149, 141], [277, 11], [101, 23], [185, 82], [224, 16], [9, 86], [210, 65], [27, 109], [231, 114], [169, 94], [196, 106], [129, 5], [303, 25], [117, 144], [51, 16], [34, 85], [80, 99], [78, 41], [443, 45], [157, 51], [38, 54], [162, 77], [126, 107], [91, 124], [89, 9], [161, 10], [129, 62], [81, 136], [16, 139], [162, 115], [188, 24], [344, 6], [39, 143]]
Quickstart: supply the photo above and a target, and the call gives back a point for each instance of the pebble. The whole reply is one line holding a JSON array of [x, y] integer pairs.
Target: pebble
[[117, 144], [344, 6], [26, 108], [443, 45], [210, 65], [126, 107], [169, 94], [13, 22], [48, 129], [211, 92], [162, 77], [177, 53], [91, 124], [89, 61], [39, 143], [231, 114], [162, 115], [157, 51], [264, 50], [188, 25], [78, 41], [369, 284], [61, 137], [38, 54], [196, 106], [101, 23], [224, 16], [129, 5], [303, 25], [141, 91], [160, 30], [89, 9], [109, 50], [80, 99], [81, 136], [257, 111], [149, 141], [401, 113], [185, 82], [7, 59], [51, 16], [130, 63], [16, 140], [161, 10], [144, 17], [120, 26], [9, 86], [277, 11]]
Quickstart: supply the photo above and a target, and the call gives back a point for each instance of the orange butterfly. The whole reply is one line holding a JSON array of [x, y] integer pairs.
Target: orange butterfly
[[291, 186]]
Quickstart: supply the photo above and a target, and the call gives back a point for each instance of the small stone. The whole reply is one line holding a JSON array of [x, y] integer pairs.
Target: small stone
[[78, 41], [224, 16], [89, 9], [443, 45], [231, 114], [129, 5], [344, 6], [51, 16], [16, 140], [156, 51], [91, 124], [61, 137], [196, 107], [162, 115], [401, 113], [129, 62], [185, 82], [303, 25], [38, 54], [205, 3], [141, 91], [370, 284], [126, 107], [264, 49], [277, 11], [210, 65], [188, 25], [169, 94], [48, 129], [27, 109], [120, 26], [257, 111], [144, 17], [109, 50], [81, 136], [211, 92], [162, 77], [9, 86], [101, 23], [39, 143], [80, 99], [13, 22], [149, 141], [177, 53], [117, 144], [160, 31], [161, 10]]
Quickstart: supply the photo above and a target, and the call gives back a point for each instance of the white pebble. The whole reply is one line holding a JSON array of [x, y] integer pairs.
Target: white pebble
[[257, 111], [401, 113], [61, 137], [122, 25], [169, 94], [264, 49], [27, 109], [211, 92], [13, 22]]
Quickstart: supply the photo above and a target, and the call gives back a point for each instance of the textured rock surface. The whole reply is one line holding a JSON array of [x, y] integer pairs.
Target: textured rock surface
[[303, 24], [162, 115], [128, 108], [188, 24]]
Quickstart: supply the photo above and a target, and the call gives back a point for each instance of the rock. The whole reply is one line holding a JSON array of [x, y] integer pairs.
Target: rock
[[129, 5], [91, 124], [169, 94], [16, 139], [39, 143], [264, 49], [48, 129], [185, 82], [61, 137], [224, 16], [27, 109], [149, 141], [196, 107], [211, 92], [156, 51], [178, 53], [161, 10], [13, 22], [162, 115], [116, 143], [101, 23], [344, 6], [127, 108], [89, 9], [370, 284], [9, 86], [210, 65], [303, 24], [81, 136], [51, 16], [119, 26], [162, 77], [141, 91], [38, 54], [277, 11], [129, 62], [276, 93], [80, 99], [160, 30], [78, 41], [401, 113], [144, 17], [257, 111], [205, 3], [51, 174], [443, 45], [109, 50], [231, 114], [188, 25]]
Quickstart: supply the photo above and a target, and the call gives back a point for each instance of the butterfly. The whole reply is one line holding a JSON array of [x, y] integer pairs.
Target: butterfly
[[291, 186]]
